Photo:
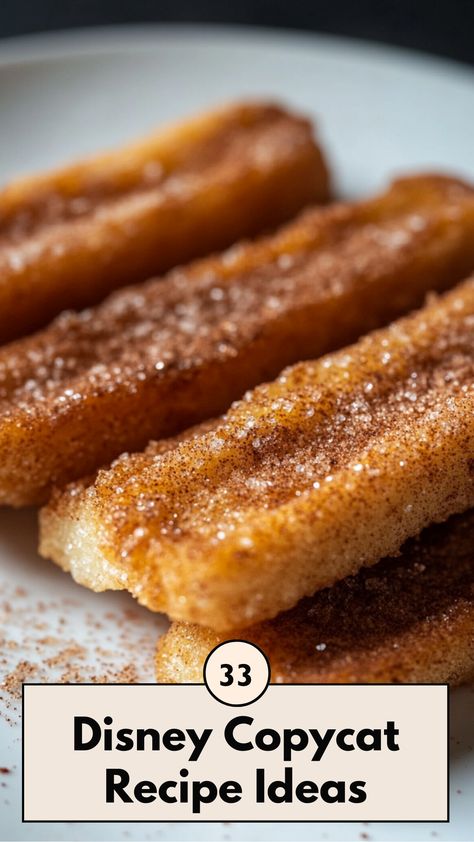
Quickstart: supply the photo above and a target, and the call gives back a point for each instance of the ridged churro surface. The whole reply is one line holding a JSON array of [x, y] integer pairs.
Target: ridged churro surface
[[408, 619], [154, 359], [309, 478], [69, 237]]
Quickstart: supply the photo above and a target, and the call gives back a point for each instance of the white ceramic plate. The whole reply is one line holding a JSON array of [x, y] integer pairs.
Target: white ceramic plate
[[380, 111]]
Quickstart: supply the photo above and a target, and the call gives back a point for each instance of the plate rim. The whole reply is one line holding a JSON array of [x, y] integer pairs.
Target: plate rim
[[145, 37]]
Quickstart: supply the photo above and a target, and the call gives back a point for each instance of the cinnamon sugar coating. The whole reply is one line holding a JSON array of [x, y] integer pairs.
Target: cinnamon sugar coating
[[71, 236], [309, 478], [157, 358], [408, 619]]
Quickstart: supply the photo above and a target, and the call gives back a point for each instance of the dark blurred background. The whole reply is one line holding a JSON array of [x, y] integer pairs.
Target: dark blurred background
[[443, 27]]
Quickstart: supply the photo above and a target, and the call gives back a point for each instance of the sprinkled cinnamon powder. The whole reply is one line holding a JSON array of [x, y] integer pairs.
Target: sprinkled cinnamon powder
[[39, 644]]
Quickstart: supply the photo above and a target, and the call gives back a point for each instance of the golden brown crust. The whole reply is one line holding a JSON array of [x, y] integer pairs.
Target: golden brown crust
[[69, 237], [157, 358], [306, 480], [408, 619]]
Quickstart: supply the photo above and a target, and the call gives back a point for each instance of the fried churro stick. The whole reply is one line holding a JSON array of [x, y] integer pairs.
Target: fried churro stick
[[158, 358], [408, 619], [71, 236], [309, 478]]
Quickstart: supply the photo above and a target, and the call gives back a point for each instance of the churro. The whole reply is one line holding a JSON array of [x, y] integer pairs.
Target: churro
[[303, 482], [159, 357], [71, 236], [408, 619]]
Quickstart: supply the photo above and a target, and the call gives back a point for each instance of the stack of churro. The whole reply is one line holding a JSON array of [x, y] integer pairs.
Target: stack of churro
[[327, 515]]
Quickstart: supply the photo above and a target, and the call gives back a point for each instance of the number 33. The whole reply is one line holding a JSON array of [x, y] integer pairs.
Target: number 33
[[229, 675]]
